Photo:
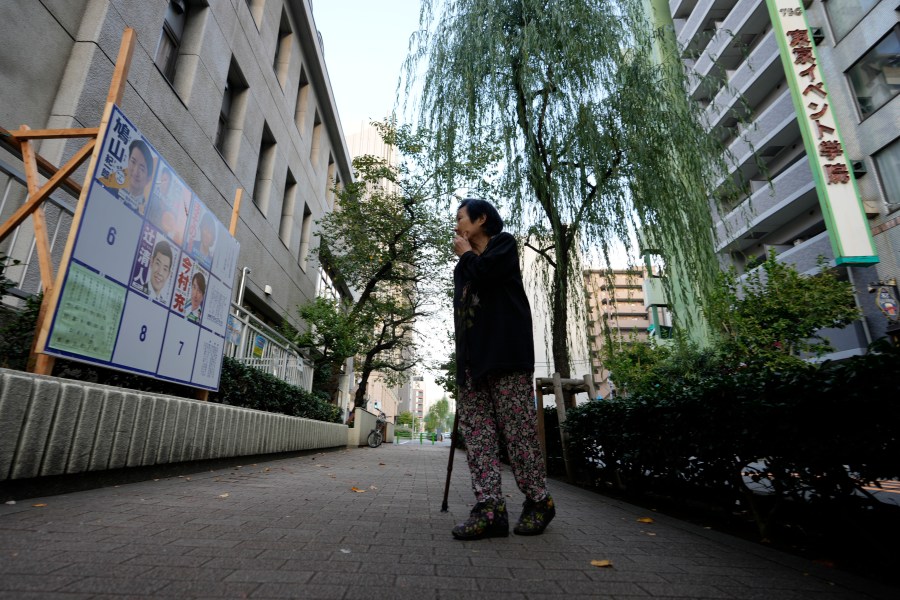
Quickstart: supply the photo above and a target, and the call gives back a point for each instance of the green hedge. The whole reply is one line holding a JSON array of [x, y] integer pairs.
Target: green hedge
[[239, 386], [759, 439], [251, 388]]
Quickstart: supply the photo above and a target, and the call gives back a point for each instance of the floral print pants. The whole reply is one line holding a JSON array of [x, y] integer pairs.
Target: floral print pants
[[501, 404]]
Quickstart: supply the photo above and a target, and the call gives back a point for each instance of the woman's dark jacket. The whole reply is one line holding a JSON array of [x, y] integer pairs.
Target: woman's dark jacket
[[492, 315]]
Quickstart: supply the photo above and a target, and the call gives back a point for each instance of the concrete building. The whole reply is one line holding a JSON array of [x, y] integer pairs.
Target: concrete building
[[618, 313], [418, 399], [857, 52], [233, 94]]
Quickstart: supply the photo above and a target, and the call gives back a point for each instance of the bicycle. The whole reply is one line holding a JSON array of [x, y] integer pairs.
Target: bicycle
[[376, 437]]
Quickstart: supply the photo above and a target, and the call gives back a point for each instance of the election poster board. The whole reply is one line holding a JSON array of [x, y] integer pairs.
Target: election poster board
[[148, 287]]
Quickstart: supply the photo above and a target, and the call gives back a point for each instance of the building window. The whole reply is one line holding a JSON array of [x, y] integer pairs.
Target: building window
[[256, 10], [287, 209], [330, 182], [305, 232], [315, 146], [231, 113], [282, 61], [265, 166], [302, 103], [170, 39], [845, 14], [876, 77], [888, 161], [181, 34], [326, 287]]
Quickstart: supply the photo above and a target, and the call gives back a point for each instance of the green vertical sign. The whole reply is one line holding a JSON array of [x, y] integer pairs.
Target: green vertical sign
[[848, 229]]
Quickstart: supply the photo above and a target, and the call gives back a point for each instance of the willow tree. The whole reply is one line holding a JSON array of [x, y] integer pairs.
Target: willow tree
[[598, 139]]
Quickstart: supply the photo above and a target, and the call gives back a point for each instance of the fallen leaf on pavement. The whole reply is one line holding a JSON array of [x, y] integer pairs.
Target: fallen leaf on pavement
[[601, 563], [645, 520], [357, 490], [42, 504]]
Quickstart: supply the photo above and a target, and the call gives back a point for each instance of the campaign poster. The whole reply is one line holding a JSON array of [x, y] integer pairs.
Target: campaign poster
[[148, 287]]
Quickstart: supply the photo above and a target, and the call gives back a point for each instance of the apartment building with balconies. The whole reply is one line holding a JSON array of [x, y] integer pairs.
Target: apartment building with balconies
[[617, 313], [751, 109]]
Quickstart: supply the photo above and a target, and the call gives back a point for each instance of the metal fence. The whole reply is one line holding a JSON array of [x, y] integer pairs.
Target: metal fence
[[255, 344]]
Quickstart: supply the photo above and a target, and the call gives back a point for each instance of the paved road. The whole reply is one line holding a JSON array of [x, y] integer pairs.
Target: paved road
[[367, 524]]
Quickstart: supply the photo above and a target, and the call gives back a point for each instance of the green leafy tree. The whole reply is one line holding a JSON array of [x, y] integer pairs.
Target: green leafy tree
[[333, 335], [771, 319], [774, 315], [597, 138], [387, 240], [442, 409], [405, 418], [446, 377], [439, 416], [5, 282]]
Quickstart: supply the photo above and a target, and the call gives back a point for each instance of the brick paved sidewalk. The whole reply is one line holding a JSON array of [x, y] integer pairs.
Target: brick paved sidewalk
[[367, 524]]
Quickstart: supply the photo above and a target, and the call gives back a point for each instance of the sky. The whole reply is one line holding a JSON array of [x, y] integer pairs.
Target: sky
[[366, 43]]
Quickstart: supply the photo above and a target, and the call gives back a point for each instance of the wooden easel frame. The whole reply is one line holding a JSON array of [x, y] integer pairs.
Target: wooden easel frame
[[563, 391]]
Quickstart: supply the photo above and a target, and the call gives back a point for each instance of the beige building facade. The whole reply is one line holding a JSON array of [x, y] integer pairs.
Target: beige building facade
[[616, 314], [234, 94]]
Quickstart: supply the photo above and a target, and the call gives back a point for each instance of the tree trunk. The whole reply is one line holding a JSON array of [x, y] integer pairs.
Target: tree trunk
[[360, 398], [559, 329], [559, 324]]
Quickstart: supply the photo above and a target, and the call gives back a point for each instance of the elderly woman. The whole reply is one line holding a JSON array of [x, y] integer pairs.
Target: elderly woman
[[495, 364]]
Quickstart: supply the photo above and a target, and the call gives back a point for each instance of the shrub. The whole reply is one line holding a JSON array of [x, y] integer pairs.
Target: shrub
[[251, 388], [758, 437]]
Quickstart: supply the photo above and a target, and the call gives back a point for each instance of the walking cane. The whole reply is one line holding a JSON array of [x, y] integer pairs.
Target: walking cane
[[450, 461]]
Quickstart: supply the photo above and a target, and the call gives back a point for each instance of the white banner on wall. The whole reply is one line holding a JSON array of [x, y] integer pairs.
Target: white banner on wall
[[148, 285]]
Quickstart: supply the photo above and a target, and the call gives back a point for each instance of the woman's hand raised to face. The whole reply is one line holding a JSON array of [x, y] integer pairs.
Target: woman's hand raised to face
[[461, 244]]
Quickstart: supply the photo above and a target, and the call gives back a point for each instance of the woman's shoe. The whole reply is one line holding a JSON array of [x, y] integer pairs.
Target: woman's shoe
[[487, 519], [535, 516]]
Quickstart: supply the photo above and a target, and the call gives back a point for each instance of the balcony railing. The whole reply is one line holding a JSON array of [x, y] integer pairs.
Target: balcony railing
[[255, 344]]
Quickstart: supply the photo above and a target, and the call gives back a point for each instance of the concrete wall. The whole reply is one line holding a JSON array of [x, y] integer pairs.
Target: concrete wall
[[363, 424], [53, 426]]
